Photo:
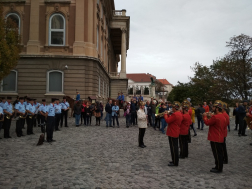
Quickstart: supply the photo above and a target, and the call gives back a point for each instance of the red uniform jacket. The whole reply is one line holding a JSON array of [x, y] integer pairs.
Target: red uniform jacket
[[185, 124], [190, 112], [227, 123], [216, 124], [206, 108], [250, 112], [174, 122]]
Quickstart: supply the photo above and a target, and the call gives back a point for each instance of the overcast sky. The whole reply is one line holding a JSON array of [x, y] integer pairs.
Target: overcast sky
[[169, 36]]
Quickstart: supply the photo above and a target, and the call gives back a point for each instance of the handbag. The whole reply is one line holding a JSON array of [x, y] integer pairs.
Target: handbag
[[97, 114]]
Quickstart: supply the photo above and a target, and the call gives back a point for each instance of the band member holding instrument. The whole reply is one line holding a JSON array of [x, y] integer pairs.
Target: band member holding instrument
[[30, 108], [217, 124], [2, 101], [7, 117], [1, 118], [242, 110], [50, 121], [225, 155], [184, 129], [64, 112], [174, 121], [42, 112], [142, 125], [162, 120], [58, 108], [20, 111]]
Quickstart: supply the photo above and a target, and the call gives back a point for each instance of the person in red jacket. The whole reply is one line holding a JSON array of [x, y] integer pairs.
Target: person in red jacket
[[184, 129], [206, 107], [216, 124], [224, 113], [174, 121]]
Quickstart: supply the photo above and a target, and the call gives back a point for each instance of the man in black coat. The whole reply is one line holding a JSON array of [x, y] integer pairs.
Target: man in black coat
[[199, 113], [108, 110]]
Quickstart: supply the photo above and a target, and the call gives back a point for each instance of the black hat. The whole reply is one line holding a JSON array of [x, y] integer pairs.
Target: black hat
[[43, 100], [31, 99], [21, 98], [2, 98], [34, 99], [53, 99], [64, 97], [56, 99], [9, 97], [244, 100]]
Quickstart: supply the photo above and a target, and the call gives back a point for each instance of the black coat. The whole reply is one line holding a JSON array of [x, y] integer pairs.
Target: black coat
[[108, 108]]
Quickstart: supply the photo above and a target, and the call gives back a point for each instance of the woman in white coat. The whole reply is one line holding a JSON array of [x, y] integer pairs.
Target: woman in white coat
[[142, 124]]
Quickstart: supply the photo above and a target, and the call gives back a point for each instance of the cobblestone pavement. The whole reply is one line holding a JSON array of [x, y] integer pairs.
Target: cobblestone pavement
[[100, 157]]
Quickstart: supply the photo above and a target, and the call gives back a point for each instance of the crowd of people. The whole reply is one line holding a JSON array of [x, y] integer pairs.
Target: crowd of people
[[175, 118]]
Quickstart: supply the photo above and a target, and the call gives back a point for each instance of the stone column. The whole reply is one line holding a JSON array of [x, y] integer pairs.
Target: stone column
[[123, 54], [90, 46], [33, 45], [79, 45]]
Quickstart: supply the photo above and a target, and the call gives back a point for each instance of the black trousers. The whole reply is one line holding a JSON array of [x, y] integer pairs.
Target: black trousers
[[98, 120], [133, 117], [34, 120], [149, 119], [236, 121], [183, 144], [6, 126], [57, 121], [30, 122], [115, 118], [1, 125], [174, 149], [217, 149], [50, 128], [43, 123], [39, 119], [225, 155], [141, 136], [242, 126], [157, 120], [19, 126], [64, 114], [83, 117]]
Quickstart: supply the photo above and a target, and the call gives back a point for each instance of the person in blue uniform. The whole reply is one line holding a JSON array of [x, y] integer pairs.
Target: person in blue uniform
[[58, 108], [64, 111], [42, 114], [2, 101], [20, 111], [30, 108], [7, 108], [1, 118], [36, 116], [50, 121]]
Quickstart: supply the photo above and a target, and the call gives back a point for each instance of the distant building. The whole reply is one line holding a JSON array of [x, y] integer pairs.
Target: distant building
[[139, 83], [167, 87]]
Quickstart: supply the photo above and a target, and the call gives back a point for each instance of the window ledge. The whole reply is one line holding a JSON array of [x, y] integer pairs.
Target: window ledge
[[9, 93], [54, 94]]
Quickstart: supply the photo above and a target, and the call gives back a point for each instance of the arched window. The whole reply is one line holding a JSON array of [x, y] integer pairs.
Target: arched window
[[55, 81], [9, 83], [57, 30], [15, 18]]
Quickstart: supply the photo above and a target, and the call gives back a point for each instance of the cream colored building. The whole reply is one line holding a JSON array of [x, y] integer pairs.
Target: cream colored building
[[68, 45]]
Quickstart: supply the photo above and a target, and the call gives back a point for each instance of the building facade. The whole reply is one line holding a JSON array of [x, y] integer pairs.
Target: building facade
[[67, 46]]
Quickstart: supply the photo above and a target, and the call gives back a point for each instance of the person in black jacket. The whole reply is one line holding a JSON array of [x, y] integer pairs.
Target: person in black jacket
[[235, 113], [108, 110], [199, 113]]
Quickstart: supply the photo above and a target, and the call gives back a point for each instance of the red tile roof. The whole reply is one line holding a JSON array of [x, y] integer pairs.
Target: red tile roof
[[141, 77], [164, 82]]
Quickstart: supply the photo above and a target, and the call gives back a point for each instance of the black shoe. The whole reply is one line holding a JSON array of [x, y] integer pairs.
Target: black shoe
[[195, 135], [9, 137], [22, 135], [66, 126], [141, 146], [53, 140], [215, 171], [0, 138], [127, 126], [77, 125], [239, 135], [32, 134], [181, 157], [201, 129], [244, 135], [38, 125], [172, 164], [18, 135], [250, 144], [144, 146], [57, 130], [235, 129], [225, 162], [154, 128]]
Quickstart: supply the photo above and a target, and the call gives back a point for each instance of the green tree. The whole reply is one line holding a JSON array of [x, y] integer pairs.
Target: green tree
[[9, 45]]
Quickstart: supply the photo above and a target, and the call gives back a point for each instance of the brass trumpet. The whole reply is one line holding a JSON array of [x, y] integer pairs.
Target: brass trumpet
[[163, 113], [23, 116], [8, 116]]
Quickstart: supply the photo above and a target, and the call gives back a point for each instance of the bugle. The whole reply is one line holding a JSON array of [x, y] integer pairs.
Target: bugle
[[163, 113]]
